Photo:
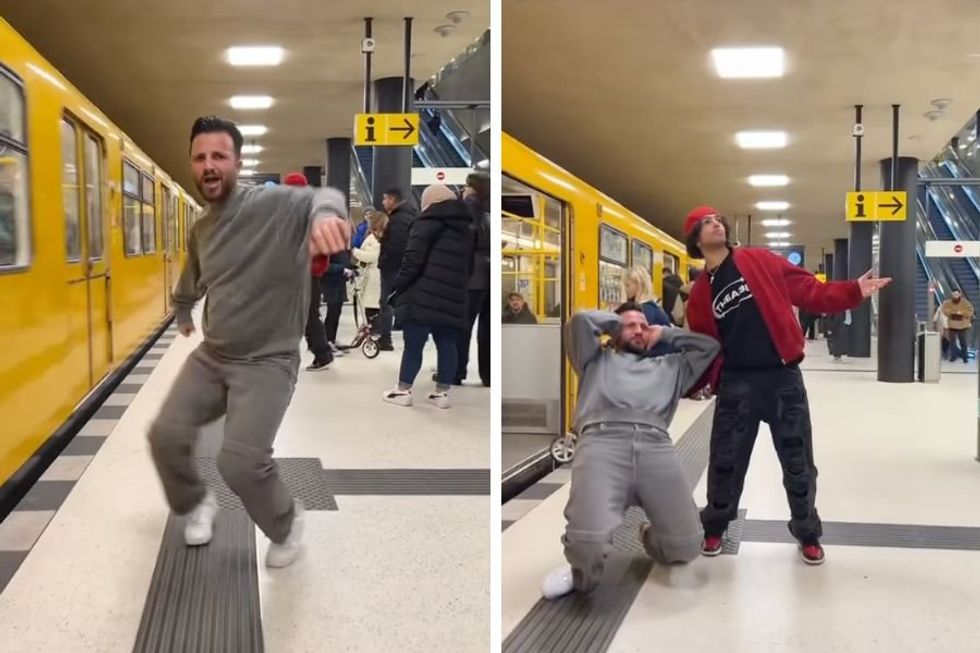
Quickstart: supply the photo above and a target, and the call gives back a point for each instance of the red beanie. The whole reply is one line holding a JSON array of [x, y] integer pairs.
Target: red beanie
[[295, 179], [696, 215]]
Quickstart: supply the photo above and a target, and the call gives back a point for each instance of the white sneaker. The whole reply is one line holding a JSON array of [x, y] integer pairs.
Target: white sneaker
[[440, 399], [200, 522], [557, 583], [398, 397], [285, 554]]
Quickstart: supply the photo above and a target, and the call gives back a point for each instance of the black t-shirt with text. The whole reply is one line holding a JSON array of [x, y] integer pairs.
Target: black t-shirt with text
[[745, 340]]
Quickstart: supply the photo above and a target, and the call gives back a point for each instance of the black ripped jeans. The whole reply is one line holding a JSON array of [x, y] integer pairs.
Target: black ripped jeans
[[778, 398]]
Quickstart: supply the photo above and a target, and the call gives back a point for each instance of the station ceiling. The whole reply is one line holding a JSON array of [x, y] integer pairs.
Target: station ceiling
[[152, 68], [624, 95]]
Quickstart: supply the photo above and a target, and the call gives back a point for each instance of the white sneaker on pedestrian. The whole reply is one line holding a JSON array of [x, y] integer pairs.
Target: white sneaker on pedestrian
[[440, 399], [200, 522], [285, 554], [557, 583], [398, 397]]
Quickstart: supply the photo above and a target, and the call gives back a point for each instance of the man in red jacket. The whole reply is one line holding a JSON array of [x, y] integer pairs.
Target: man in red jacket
[[745, 300]]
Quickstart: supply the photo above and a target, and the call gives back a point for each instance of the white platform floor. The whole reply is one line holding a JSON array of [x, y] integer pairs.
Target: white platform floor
[[887, 454], [405, 573]]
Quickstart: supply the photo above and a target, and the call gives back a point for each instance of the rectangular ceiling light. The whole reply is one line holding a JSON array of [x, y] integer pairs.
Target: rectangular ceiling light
[[251, 149], [780, 243], [777, 235], [760, 140], [748, 63], [772, 206], [251, 102], [251, 163], [255, 56], [252, 130], [246, 173], [768, 180], [776, 222]]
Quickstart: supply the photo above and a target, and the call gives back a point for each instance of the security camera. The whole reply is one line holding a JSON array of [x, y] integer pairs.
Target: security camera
[[858, 130], [367, 45]]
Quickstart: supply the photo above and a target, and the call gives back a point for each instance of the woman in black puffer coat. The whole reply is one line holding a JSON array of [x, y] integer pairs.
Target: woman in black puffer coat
[[430, 291]]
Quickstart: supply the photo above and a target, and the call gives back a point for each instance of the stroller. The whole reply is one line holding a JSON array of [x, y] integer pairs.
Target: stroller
[[366, 337]]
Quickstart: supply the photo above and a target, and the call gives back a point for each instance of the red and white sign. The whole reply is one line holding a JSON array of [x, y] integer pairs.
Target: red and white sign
[[448, 176], [952, 248]]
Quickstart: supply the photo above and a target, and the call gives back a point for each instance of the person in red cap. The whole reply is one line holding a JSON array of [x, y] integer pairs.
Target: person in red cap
[[316, 338], [745, 299]]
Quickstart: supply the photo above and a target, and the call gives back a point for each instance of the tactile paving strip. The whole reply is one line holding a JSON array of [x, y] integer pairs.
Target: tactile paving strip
[[911, 536], [408, 482], [204, 599], [588, 623], [303, 476]]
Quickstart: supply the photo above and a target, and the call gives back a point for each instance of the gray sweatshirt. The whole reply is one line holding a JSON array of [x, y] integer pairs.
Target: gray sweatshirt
[[250, 257], [625, 387]]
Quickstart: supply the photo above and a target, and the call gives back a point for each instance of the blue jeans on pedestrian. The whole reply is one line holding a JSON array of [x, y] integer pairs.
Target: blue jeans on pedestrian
[[415, 339]]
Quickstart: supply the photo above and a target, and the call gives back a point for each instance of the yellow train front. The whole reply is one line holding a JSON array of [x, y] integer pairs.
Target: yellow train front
[[92, 236], [565, 248]]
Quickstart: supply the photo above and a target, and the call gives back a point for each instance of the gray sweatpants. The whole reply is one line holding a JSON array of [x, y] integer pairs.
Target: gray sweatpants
[[621, 465], [253, 395]]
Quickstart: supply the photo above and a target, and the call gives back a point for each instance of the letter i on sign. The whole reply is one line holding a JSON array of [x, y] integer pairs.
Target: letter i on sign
[[860, 206], [370, 130]]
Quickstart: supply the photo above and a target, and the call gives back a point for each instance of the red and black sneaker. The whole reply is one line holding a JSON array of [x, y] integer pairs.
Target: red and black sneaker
[[712, 545], [812, 553]]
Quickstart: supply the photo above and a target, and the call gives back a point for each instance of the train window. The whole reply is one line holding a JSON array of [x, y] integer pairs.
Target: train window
[[94, 181], [613, 261], [70, 192], [131, 209], [149, 216], [671, 264], [11, 110], [532, 247], [643, 256], [15, 250]]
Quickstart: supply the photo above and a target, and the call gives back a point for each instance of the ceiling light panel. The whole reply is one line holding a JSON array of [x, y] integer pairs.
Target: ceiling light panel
[[775, 222], [760, 140], [777, 235], [255, 56], [768, 180], [251, 149], [251, 163], [749, 63], [253, 130], [251, 102], [772, 206]]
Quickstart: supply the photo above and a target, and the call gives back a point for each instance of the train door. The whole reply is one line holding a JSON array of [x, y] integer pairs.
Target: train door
[[171, 257], [84, 207]]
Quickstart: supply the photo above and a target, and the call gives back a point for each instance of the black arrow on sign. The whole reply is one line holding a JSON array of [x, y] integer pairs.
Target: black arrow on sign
[[408, 129], [896, 207]]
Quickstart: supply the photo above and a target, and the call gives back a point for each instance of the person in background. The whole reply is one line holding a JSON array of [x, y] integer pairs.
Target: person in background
[[250, 256], [942, 327], [672, 290], [362, 229], [400, 218], [745, 300], [638, 289], [476, 196], [516, 310], [430, 289], [367, 254], [316, 339], [333, 284], [959, 320], [838, 325]]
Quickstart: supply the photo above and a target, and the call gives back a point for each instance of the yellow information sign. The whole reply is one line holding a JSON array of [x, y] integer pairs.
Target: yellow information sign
[[372, 129], [881, 206], [821, 277]]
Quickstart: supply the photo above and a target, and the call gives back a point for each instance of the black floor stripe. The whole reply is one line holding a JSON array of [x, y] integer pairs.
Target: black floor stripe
[[84, 445], [408, 482], [588, 623], [909, 536], [204, 599], [10, 562]]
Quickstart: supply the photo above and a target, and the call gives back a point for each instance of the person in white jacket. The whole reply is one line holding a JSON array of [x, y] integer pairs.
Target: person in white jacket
[[367, 254]]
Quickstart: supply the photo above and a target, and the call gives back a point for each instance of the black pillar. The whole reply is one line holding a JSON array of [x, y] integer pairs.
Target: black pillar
[[896, 305], [313, 175], [338, 165], [392, 167], [828, 265], [859, 262], [840, 260]]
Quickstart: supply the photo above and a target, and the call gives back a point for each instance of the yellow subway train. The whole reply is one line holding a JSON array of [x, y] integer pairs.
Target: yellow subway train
[[565, 248], [92, 236]]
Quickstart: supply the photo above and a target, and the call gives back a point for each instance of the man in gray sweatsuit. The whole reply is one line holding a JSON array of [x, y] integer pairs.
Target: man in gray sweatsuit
[[626, 401], [251, 255]]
